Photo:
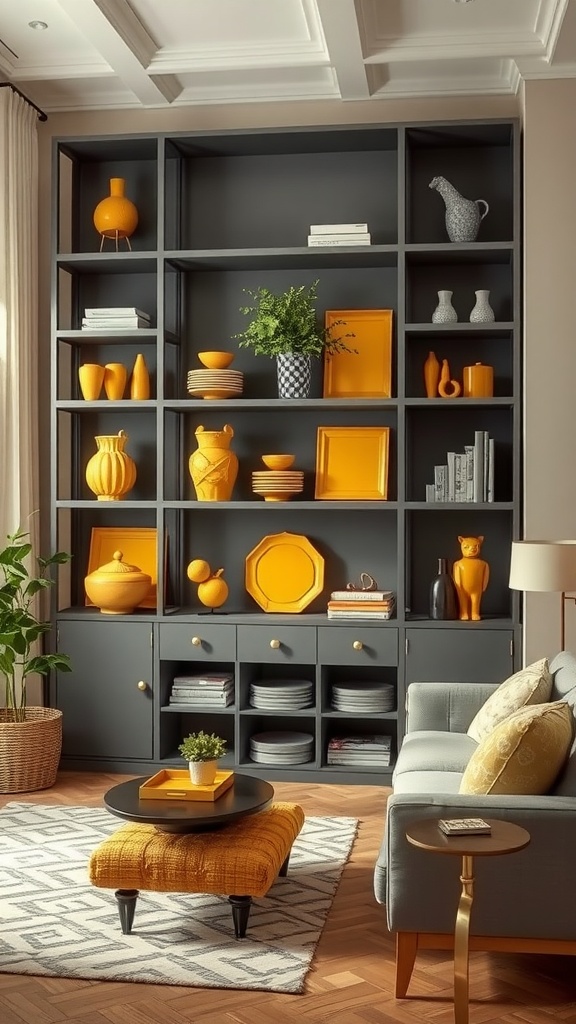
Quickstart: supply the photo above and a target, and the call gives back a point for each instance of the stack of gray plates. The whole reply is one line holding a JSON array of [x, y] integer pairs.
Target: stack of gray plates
[[282, 694], [282, 747], [366, 698]]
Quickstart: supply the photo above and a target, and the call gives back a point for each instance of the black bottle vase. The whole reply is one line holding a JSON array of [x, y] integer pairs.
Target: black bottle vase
[[443, 595]]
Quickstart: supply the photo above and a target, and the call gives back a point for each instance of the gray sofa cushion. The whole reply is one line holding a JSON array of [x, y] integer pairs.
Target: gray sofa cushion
[[565, 784], [427, 783], [429, 750], [563, 670]]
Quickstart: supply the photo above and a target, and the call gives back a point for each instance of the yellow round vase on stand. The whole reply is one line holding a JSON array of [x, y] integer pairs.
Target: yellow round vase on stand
[[111, 472], [116, 216]]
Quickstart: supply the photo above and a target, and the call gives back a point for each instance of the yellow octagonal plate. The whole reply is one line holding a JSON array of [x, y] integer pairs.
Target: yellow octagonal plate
[[284, 573]]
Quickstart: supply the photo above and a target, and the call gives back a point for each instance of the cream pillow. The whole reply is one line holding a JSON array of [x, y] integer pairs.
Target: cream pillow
[[531, 685], [523, 754]]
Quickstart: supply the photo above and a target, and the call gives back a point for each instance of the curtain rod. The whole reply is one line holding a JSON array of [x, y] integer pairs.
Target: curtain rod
[[8, 85]]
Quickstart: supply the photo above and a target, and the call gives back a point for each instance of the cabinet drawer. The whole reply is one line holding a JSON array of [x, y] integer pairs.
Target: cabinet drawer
[[373, 646], [459, 655], [197, 642], [277, 644]]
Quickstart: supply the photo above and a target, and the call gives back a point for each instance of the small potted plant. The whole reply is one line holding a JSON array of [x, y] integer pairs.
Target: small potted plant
[[286, 327], [30, 737], [202, 751]]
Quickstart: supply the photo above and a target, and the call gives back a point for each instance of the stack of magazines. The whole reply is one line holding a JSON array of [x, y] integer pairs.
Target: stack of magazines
[[363, 751], [204, 691], [113, 318], [361, 604]]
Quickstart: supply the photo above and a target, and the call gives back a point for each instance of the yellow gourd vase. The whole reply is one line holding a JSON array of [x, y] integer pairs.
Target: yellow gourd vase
[[213, 467], [116, 216], [110, 472]]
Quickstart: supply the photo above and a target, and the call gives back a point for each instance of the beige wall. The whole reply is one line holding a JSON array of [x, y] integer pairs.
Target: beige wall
[[550, 339]]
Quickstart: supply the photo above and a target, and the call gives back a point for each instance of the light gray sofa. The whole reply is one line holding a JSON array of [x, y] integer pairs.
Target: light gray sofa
[[524, 902]]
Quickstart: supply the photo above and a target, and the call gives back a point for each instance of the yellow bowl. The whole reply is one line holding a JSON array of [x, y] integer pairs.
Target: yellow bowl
[[278, 461], [216, 360]]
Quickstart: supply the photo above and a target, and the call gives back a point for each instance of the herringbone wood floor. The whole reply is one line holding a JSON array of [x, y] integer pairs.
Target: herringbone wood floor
[[351, 981]]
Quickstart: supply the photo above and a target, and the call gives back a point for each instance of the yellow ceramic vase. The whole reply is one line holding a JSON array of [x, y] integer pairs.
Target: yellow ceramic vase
[[140, 380], [115, 376], [110, 472], [116, 216], [213, 467], [91, 377]]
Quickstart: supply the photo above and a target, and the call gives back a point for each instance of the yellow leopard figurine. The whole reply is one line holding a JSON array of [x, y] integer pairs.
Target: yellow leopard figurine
[[471, 574]]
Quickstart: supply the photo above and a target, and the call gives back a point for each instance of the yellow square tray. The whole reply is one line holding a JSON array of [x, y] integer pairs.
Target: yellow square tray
[[175, 784]]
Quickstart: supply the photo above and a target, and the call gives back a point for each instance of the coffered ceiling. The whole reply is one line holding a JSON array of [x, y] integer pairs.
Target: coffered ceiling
[[119, 54]]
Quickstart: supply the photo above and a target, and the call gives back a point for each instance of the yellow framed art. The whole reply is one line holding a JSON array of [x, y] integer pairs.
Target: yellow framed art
[[368, 372], [352, 463], [138, 546]]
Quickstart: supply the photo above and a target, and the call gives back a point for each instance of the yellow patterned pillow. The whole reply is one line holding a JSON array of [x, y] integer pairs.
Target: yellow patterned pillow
[[523, 754], [531, 685]]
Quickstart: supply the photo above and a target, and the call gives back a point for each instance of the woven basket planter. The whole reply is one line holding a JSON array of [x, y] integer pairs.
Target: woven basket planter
[[29, 750]]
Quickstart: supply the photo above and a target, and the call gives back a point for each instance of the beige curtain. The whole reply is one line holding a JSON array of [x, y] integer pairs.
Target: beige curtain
[[18, 316]]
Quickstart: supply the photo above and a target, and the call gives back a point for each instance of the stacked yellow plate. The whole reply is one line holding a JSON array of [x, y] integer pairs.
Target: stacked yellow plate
[[279, 482], [215, 383]]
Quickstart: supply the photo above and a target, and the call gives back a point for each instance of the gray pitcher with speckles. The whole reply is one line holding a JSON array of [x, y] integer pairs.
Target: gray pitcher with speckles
[[462, 215]]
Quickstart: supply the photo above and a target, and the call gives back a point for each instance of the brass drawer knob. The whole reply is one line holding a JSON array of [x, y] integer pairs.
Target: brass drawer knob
[[357, 645], [196, 641], [274, 644], [142, 685]]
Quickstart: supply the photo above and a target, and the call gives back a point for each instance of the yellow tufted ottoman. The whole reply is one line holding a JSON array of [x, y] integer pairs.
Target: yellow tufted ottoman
[[240, 861]]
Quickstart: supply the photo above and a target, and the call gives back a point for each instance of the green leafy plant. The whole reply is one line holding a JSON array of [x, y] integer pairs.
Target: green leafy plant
[[287, 324], [202, 746], [19, 626]]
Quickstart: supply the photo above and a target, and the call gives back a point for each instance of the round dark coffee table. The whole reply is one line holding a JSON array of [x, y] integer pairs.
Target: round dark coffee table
[[246, 796]]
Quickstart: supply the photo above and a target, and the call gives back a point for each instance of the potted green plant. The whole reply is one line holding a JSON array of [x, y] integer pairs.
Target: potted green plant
[[202, 751], [30, 737], [286, 327]]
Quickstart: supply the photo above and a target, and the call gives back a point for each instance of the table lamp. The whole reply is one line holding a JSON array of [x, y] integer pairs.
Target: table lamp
[[546, 566]]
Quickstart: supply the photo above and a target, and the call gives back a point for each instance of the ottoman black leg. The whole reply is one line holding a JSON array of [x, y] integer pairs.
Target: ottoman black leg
[[126, 906], [240, 914], [284, 869]]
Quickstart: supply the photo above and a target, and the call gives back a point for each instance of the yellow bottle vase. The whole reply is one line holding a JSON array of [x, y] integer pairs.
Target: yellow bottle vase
[[213, 467], [140, 380], [110, 472], [116, 216]]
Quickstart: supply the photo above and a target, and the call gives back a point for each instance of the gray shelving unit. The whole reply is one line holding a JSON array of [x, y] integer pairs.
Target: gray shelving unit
[[220, 212]]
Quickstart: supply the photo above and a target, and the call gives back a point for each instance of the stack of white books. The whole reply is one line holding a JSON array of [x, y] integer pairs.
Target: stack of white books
[[361, 604], [467, 476], [365, 751], [205, 691], [114, 318], [339, 234]]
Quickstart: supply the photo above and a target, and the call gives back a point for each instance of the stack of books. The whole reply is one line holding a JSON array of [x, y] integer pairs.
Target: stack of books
[[364, 751], [114, 318], [467, 476], [204, 691], [339, 234], [361, 604]]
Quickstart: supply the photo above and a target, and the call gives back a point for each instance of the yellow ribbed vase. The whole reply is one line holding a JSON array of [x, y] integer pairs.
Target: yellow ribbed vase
[[110, 472]]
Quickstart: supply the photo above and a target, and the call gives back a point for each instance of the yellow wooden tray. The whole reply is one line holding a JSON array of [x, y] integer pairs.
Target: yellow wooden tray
[[176, 784], [352, 463], [367, 373], [138, 546], [284, 572]]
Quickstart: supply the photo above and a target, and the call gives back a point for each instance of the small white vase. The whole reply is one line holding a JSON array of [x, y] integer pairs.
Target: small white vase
[[482, 312], [202, 773], [444, 312]]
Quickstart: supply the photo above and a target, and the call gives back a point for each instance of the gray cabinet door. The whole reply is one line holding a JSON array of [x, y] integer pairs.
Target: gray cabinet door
[[459, 655], [105, 712]]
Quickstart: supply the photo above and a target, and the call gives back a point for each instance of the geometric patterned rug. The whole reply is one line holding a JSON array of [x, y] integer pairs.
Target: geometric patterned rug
[[54, 922]]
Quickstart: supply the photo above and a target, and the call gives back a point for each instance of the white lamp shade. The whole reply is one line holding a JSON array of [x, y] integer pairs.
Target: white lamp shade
[[543, 565]]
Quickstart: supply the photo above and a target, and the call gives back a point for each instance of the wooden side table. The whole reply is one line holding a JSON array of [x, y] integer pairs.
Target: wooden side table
[[504, 838]]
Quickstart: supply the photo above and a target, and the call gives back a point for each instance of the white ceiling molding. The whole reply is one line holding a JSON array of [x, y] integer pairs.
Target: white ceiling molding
[[342, 35], [549, 23]]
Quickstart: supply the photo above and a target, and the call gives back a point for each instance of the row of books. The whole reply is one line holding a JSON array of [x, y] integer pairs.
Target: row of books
[[339, 234], [203, 691], [361, 604], [104, 318], [365, 751], [467, 476]]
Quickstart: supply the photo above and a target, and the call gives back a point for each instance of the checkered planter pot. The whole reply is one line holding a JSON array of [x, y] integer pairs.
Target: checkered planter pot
[[293, 376]]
